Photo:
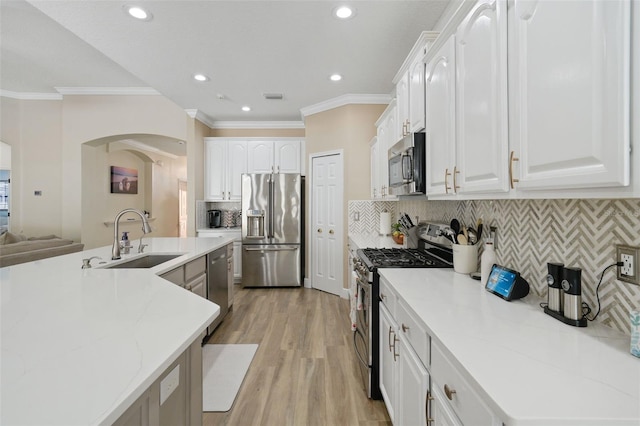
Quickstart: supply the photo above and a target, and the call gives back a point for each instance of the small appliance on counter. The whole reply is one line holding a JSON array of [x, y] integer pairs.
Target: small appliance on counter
[[215, 218], [554, 280], [565, 295]]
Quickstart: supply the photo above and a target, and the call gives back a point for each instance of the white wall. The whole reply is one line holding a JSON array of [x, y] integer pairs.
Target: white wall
[[46, 138]]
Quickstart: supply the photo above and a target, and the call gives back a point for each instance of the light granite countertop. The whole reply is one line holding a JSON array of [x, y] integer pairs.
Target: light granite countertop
[[530, 368], [79, 346]]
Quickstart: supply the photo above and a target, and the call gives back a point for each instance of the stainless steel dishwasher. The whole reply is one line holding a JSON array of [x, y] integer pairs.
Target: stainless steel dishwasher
[[217, 284]]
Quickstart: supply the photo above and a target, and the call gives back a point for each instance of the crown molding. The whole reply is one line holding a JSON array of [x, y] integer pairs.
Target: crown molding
[[107, 91], [344, 100], [201, 117], [258, 125], [425, 40], [29, 96]]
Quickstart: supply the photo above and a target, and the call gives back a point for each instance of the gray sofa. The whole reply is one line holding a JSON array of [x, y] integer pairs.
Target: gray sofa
[[17, 248]]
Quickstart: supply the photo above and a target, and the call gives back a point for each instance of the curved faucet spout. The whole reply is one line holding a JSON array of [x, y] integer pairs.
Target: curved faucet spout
[[115, 250]]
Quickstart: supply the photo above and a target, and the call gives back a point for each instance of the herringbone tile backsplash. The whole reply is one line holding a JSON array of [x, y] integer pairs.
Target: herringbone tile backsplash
[[578, 233]]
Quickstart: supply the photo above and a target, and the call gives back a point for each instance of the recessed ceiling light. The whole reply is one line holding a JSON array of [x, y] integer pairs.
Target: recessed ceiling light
[[344, 12], [246, 108], [335, 77], [138, 13], [200, 77]]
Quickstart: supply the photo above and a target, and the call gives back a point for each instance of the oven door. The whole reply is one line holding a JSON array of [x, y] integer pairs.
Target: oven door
[[362, 334]]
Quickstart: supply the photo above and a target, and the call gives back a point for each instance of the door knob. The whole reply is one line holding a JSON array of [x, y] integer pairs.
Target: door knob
[[319, 231], [331, 231]]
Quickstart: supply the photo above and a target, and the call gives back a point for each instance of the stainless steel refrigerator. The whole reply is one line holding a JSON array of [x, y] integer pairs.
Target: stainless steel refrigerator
[[272, 230]]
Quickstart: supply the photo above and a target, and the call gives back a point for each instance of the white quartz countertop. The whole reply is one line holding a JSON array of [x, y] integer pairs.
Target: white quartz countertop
[[529, 367], [79, 346], [373, 241]]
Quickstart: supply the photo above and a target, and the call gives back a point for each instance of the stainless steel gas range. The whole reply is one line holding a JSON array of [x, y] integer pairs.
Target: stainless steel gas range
[[434, 251]]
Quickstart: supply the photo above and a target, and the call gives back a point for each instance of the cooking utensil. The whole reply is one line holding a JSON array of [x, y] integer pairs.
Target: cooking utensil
[[465, 233], [473, 236], [409, 220], [449, 234], [462, 240], [480, 230], [455, 225]]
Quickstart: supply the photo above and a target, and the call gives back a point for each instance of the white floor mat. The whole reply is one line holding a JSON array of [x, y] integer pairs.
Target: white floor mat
[[223, 370]]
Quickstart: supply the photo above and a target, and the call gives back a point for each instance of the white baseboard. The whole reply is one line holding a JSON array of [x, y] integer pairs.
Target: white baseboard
[[307, 283], [345, 293]]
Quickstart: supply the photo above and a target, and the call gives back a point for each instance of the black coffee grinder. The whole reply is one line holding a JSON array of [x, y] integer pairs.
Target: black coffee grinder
[[554, 289], [565, 303]]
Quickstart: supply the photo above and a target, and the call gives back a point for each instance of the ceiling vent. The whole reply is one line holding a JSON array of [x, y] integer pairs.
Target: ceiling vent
[[273, 96]]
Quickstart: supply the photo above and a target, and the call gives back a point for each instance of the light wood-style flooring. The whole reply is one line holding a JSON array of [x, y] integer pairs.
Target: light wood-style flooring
[[305, 369]]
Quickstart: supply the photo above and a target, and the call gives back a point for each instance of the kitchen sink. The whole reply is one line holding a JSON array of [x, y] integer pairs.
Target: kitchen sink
[[147, 261]]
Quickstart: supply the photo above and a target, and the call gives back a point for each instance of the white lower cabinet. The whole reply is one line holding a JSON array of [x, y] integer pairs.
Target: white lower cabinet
[[388, 363], [419, 382], [413, 386], [440, 414]]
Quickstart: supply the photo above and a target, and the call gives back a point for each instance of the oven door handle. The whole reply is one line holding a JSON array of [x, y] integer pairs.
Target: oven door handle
[[355, 345]]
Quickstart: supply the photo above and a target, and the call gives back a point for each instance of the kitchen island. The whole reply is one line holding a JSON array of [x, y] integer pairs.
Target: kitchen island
[[80, 346], [509, 360]]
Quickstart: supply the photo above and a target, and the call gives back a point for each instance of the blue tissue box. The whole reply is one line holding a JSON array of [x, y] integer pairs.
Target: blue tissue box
[[635, 333]]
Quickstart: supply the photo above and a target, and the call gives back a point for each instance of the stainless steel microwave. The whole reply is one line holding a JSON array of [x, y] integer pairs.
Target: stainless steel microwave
[[407, 166]]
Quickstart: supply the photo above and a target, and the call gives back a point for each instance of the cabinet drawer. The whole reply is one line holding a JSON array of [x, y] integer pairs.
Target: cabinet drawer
[[388, 297], [413, 330], [194, 268], [467, 405]]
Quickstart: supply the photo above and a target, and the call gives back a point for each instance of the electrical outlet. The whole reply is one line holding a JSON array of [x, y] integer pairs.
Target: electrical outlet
[[629, 271]]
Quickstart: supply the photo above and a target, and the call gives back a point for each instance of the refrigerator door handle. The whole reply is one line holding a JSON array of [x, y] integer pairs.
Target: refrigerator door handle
[[272, 248], [271, 199]]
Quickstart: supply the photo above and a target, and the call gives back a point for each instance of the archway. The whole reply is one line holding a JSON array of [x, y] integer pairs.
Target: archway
[[159, 163]]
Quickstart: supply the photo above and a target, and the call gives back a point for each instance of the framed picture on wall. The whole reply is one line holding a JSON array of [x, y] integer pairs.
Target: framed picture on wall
[[124, 180]]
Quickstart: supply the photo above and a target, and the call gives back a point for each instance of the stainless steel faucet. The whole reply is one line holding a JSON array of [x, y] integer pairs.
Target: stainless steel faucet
[[115, 250]]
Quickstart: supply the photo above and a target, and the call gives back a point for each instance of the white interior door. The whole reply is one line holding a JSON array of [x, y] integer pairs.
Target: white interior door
[[326, 231]]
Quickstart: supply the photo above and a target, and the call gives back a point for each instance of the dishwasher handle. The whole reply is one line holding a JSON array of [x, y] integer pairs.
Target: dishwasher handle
[[271, 249]]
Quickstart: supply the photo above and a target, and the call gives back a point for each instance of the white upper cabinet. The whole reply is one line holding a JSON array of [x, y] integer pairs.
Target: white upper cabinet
[[482, 132], [569, 75], [275, 156], [225, 161], [409, 83], [261, 156], [403, 105], [416, 93], [440, 119], [387, 130], [375, 166]]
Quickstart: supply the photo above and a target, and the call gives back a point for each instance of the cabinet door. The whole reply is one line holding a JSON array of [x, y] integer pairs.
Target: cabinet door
[[416, 94], [439, 412], [383, 152], [481, 88], [414, 385], [569, 92], [215, 169], [440, 116], [402, 97], [375, 164], [287, 156], [260, 156], [237, 165], [198, 286], [388, 363]]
